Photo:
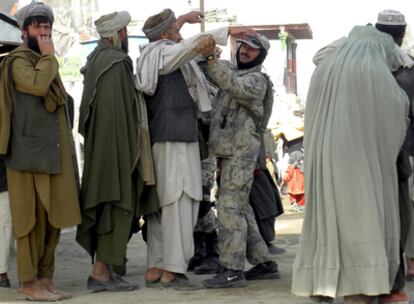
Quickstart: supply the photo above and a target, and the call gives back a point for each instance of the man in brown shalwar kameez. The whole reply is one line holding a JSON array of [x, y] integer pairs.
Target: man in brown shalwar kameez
[[35, 137]]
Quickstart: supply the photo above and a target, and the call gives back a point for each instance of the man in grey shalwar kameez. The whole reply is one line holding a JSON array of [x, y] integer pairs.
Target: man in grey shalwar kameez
[[350, 239]]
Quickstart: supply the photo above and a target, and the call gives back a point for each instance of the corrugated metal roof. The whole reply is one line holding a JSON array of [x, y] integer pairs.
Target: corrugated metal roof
[[10, 34]]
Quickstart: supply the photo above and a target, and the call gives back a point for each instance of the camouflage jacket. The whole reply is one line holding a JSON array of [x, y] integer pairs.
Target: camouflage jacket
[[237, 110]]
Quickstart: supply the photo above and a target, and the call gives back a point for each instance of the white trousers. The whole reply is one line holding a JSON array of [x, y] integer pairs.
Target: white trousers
[[170, 235], [6, 238]]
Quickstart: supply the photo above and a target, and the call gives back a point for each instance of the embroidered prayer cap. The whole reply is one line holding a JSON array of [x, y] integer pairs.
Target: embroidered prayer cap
[[391, 17], [34, 9], [257, 41], [109, 24], [157, 24]]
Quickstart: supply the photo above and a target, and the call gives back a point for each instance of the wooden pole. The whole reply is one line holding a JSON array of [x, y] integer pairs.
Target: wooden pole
[[202, 11]]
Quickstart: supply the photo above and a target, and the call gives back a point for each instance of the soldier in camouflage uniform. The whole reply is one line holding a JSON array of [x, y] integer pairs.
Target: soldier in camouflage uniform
[[239, 119]]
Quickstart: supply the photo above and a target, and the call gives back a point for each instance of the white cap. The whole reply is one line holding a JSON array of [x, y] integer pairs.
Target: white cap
[[391, 17]]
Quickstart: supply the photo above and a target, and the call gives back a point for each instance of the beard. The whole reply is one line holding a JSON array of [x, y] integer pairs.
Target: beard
[[252, 63], [124, 45], [33, 44]]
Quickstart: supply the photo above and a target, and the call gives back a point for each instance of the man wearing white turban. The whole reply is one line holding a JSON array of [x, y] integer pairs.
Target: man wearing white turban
[[117, 153]]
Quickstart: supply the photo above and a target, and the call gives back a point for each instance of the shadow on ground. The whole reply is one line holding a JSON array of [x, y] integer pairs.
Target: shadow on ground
[[73, 266]]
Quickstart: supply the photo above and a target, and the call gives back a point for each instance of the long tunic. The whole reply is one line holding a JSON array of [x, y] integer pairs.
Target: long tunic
[[57, 192], [355, 125], [180, 158], [177, 164], [109, 124]]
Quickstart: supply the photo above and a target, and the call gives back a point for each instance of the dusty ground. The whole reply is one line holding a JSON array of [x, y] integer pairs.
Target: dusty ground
[[73, 266]]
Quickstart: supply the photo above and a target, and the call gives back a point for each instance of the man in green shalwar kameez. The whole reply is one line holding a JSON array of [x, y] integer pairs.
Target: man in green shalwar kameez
[[117, 152]]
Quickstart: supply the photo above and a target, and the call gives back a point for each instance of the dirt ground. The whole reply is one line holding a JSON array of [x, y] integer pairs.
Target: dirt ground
[[73, 266]]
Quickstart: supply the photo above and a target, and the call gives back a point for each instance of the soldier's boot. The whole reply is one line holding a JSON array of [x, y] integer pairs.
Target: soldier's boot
[[199, 251], [273, 249], [211, 263], [264, 271]]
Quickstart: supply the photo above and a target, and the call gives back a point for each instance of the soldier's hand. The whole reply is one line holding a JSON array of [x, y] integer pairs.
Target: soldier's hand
[[194, 17], [241, 31], [46, 46], [217, 52], [205, 46]]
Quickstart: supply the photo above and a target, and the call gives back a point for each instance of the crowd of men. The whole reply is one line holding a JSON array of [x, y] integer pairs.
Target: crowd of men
[[145, 155], [142, 152]]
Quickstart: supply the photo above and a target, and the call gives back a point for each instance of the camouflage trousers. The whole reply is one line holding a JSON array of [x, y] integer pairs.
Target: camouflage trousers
[[239, 237]]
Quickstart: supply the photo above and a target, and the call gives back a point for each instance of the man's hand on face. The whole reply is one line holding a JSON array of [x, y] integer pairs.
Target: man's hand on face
[[205, 46], [241, 31], [194, 17], [46, 46]]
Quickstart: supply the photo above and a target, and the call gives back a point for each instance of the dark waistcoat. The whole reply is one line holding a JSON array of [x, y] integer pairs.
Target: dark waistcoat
[[171, 111], [34, 139]]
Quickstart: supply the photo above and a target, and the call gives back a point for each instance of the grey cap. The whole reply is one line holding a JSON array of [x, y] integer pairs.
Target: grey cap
[[34, 9], [391, 17], [257, 41]]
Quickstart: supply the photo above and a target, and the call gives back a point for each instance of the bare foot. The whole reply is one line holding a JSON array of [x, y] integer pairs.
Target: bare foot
[[410, 266], [359, 299], [48, 284], [100, 272], [36, 291], [167, 276], [153, 274], [396, 296]]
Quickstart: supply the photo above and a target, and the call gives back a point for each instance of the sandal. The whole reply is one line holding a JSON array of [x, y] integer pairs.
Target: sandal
[[113, 284], [153, 283], [180, 282]]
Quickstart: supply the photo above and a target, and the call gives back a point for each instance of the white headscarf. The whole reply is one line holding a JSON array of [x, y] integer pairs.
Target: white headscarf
[[109, 25]]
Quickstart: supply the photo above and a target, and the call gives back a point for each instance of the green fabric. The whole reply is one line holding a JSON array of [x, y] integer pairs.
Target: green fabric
[[111, 246], [109, 125]]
